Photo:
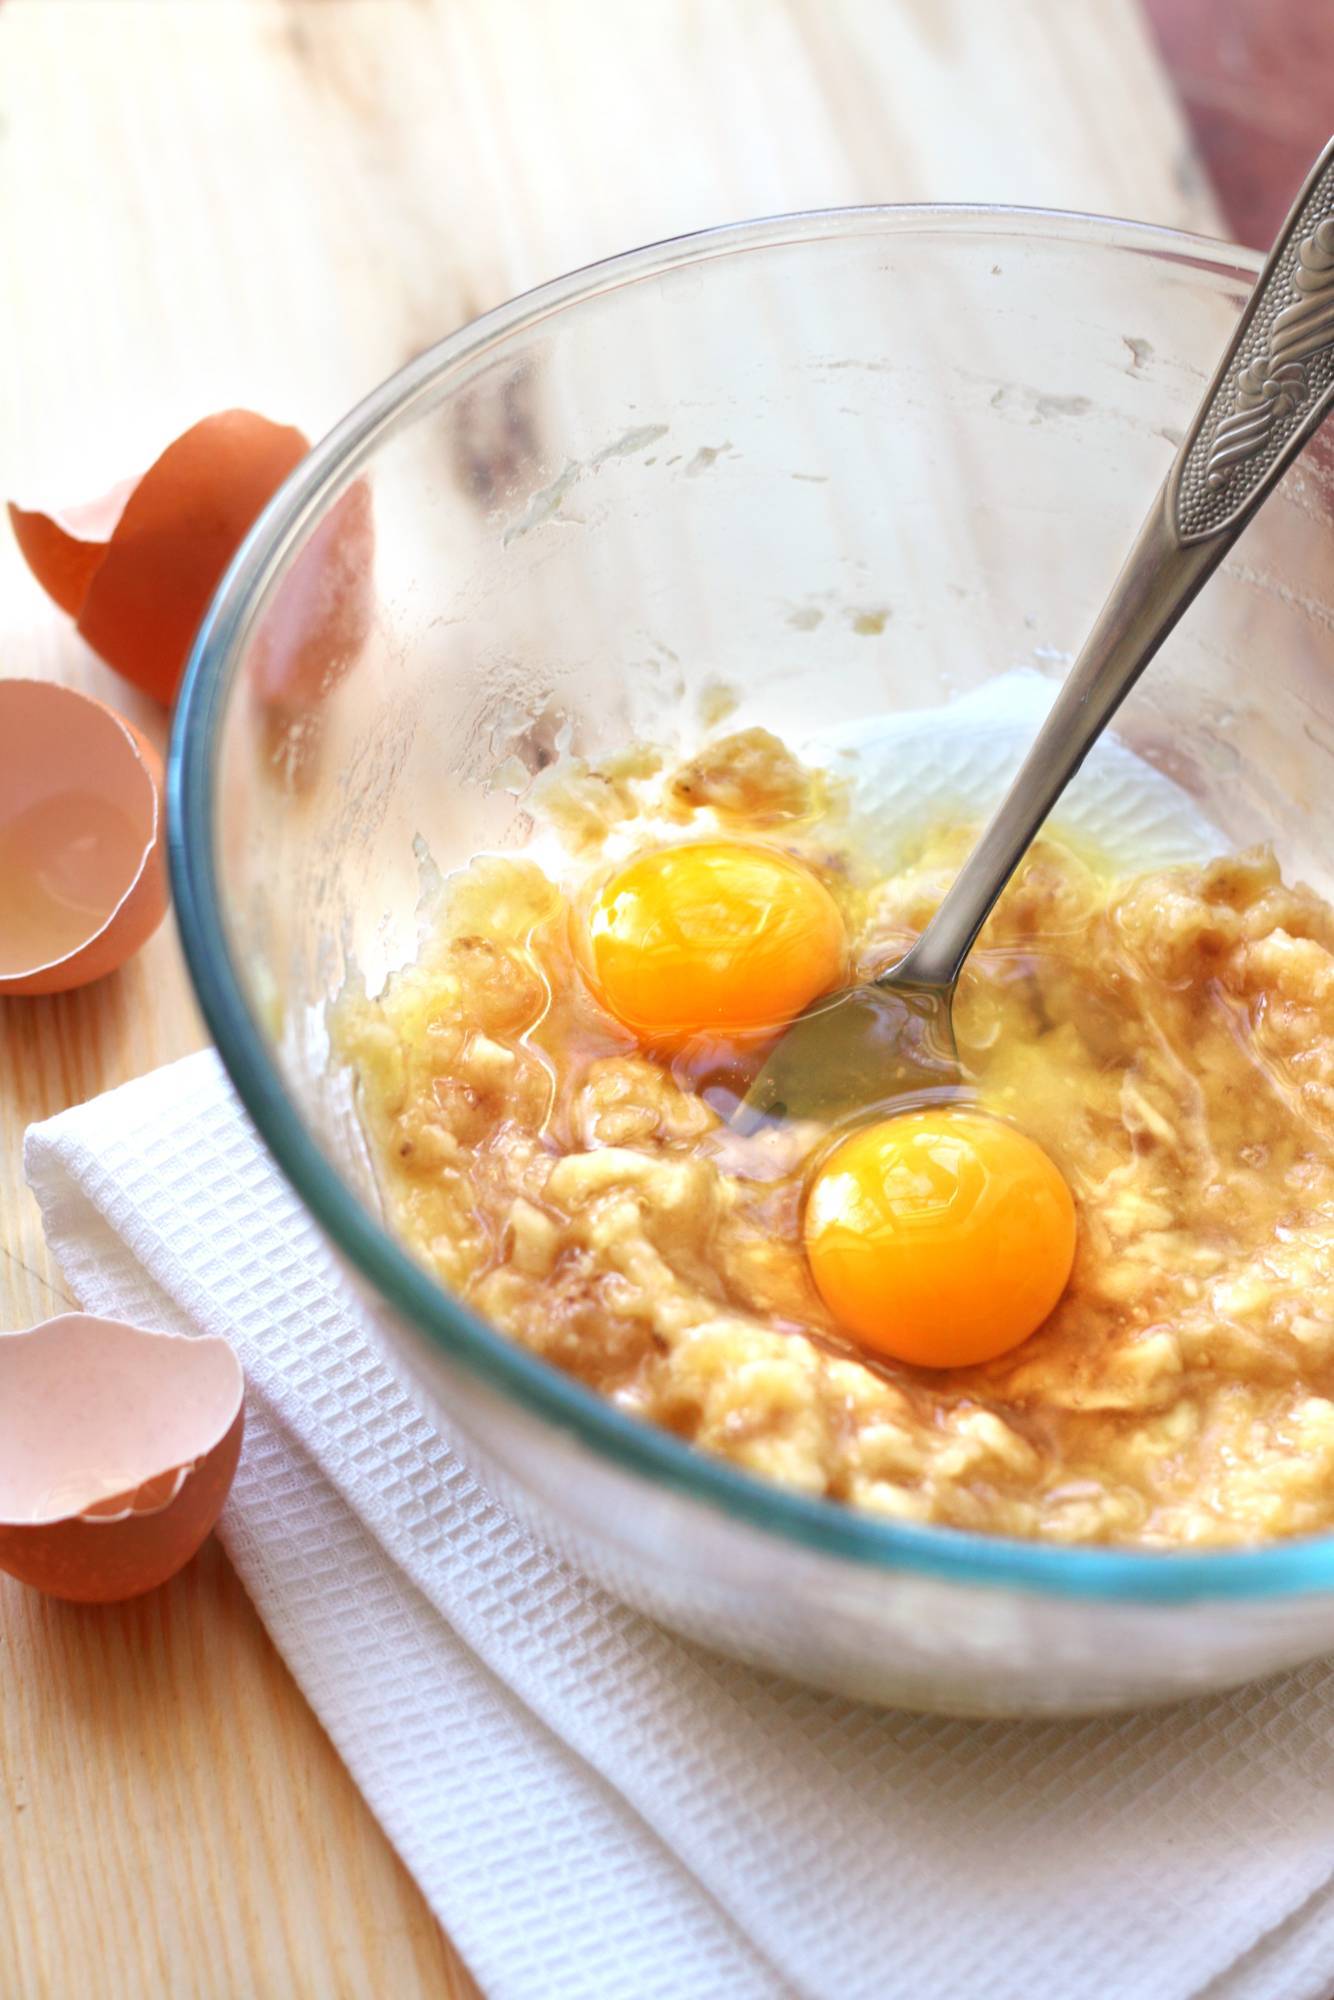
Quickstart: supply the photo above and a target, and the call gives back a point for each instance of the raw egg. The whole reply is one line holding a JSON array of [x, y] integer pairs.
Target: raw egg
[[137, 569], [942, 1237], [712, 937], [117, 1450], [83, 879]]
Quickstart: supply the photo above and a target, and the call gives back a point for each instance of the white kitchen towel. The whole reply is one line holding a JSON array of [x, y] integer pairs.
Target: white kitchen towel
[[598, 1811]]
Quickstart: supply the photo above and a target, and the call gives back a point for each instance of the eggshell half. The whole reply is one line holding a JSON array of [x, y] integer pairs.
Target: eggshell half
[[83, 876], [63, 550], [164, 543], [117, 1451]]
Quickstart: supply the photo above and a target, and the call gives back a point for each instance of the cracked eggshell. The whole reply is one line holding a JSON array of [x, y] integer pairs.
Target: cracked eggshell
[[137, 569], [64, 549], [83, 870], [117, 1450]]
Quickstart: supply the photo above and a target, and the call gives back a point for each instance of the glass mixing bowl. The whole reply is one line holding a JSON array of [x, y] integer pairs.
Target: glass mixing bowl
[[842, 463]]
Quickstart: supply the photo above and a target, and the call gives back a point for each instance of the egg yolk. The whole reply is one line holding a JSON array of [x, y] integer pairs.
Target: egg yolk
[[712, 937], [942, 1237]]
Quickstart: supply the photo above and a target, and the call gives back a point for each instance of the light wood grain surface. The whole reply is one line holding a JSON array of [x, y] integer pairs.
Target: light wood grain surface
[[275, 202]]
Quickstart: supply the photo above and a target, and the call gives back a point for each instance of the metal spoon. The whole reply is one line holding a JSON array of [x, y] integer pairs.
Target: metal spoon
[[883, 1044]]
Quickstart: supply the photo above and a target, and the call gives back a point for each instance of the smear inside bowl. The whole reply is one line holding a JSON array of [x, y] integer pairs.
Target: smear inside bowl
[[81, 878]]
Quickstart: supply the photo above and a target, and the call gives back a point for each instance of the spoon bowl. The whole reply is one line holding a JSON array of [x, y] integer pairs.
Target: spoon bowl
[[869, 1048]]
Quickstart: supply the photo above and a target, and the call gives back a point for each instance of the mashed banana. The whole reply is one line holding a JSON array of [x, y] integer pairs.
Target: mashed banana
[[1169, 1039]]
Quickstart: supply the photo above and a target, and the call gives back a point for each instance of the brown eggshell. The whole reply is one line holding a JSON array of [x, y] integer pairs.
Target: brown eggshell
[[63, 550], [117, 1451], [83, 874], [140, 605]]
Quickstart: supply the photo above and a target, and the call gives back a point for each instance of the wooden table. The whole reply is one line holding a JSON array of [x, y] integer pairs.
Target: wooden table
[[276, 202]]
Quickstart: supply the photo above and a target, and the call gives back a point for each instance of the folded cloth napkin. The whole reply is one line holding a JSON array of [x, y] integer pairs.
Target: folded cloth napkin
[[595, 1808]]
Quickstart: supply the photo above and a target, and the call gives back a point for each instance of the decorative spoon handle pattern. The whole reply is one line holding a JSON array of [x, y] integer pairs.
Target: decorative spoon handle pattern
[[1275, 384]]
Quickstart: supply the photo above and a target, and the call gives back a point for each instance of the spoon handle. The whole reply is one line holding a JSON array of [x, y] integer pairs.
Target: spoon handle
[[1272, 390]]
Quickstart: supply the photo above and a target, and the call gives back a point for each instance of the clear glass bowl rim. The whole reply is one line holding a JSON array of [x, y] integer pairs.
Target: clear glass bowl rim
[[815, 1525]]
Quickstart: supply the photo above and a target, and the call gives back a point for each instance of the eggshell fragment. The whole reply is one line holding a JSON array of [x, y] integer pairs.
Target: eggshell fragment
[[137, 570], [63, 550], [83, 875], [117, 1450]]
